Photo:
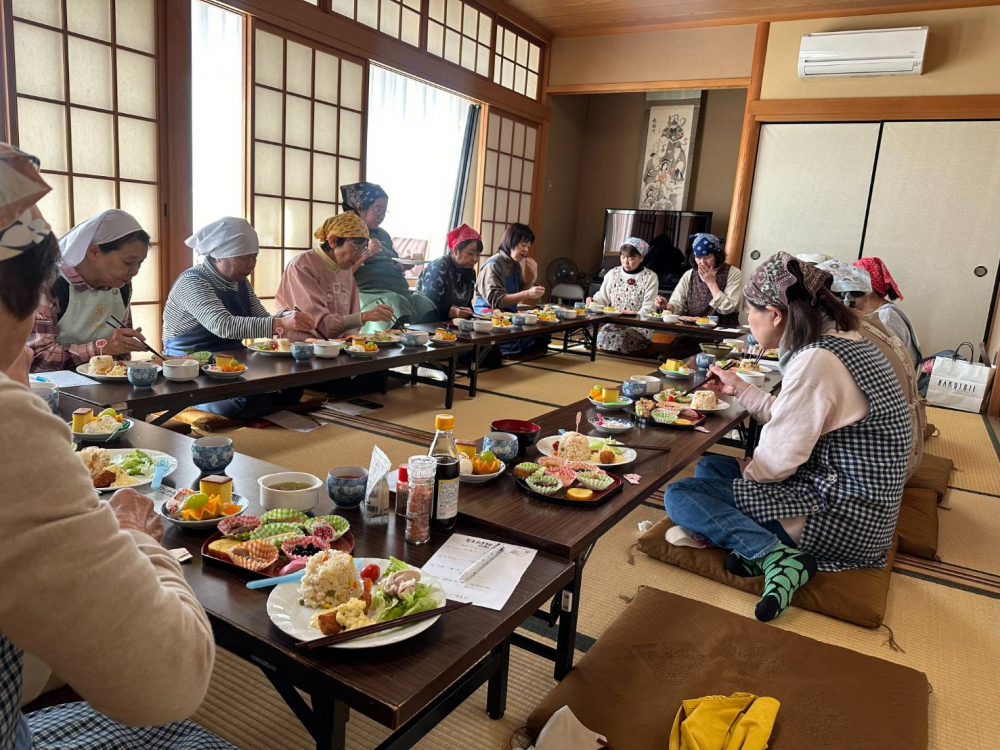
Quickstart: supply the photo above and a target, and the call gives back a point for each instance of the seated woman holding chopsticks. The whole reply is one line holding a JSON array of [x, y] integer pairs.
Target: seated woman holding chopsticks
[[212, 308], [823, 489], [89, 300], [321, 283]]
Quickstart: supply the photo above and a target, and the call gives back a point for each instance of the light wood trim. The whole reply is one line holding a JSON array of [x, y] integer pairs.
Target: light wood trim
[[477, 213], [642, 86], [8, 97], [537, 216], [517, 18], [747, 159], [763, 16], [964, 107]]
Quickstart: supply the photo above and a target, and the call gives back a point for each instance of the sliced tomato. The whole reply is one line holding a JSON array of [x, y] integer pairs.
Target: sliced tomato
[[371, 572]]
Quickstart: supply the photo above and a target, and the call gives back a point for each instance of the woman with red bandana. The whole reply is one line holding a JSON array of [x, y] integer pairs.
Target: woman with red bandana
[[879, 303]]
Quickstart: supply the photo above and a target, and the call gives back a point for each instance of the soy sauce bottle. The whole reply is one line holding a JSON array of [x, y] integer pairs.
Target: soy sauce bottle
[[444, 511]]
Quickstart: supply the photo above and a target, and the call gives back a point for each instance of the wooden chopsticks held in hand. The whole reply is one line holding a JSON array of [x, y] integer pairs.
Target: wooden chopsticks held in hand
[[147, 347], [350, 635]]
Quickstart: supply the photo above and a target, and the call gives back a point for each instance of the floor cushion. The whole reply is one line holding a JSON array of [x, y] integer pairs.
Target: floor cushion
[[933, 473], [856, 596], [665, 648], [917, 529]]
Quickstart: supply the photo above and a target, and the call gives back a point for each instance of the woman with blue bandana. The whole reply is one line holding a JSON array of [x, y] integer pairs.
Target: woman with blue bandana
[[630, 286], [711, 287]]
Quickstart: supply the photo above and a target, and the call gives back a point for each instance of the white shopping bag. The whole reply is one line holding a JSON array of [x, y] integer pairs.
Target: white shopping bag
[[959, 385]]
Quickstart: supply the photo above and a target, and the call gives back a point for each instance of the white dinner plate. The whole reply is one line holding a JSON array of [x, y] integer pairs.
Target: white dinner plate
[[442, 342], [208, 523], [293, 618], [482, 478], [719, 406], [623, 402], [271, 353], [84, 369], [218, 375], [545, 448], [143, 481]]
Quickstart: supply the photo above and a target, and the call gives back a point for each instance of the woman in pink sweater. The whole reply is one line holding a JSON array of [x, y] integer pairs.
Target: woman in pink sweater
[[321, 282], [89, 591]]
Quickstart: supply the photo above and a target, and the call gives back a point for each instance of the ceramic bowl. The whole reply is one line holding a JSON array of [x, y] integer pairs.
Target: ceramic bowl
[[413, 339], [181, 370], [142, 374], [713, 319], [346, 485], [326, 349], [302, 351], [518, 319], [530, 319], [303, 500], [566, 314], [704, 361], [482, 326], [671, 318], [456, 321], [48, 392], [466, 325], [633, 390], [503, 445], [749, 376], [652, 383], [526, 432], [212, 454], [596, 308], [716, 350]]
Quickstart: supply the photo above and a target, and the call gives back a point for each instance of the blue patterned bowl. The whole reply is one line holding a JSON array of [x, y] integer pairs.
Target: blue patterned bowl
[[518, 319], [346, 485], [212, 454], [466, 325], [633, 390], [503, 445], [49, 392], [412, 339], [142, 374], [302, 351]]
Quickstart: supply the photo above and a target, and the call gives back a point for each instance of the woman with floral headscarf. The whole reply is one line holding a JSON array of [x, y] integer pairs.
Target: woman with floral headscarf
[[711, 287], [380, 280], [629, 286], [880, 302], [823, 489]]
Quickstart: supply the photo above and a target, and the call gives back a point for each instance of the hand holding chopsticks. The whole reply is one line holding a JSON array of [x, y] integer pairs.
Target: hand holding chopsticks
[[350, 635], [118, 325]]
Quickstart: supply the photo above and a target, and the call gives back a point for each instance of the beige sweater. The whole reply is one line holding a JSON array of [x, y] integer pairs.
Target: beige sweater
[[108, 610]]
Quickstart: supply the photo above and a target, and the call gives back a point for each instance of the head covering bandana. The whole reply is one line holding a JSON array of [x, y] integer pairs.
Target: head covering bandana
[[770, 282], [846, 278], [705, 244], [461, 234], [229, 237], [881, 278], [641, 246], [22, 226], [107, 226], [360, 195], [347, 225]]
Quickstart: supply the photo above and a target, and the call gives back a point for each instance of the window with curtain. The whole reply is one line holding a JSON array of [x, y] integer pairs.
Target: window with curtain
[[508, 176], [85, 101], [399, 19], [460, 33], [307, 119], [415, 136], [517, 61], [217, 145]]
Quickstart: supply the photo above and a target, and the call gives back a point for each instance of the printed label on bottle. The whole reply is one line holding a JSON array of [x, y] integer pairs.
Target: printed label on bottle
[[447, 498]]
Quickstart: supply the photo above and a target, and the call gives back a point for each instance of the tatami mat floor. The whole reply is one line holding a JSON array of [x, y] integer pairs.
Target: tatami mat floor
[[946, 632]]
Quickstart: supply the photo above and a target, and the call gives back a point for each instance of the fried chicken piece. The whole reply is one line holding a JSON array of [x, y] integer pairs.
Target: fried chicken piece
[[607, 456], [327, 622], [104, 478]]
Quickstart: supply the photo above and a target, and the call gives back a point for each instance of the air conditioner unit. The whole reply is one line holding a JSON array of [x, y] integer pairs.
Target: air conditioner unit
[[880, 52]]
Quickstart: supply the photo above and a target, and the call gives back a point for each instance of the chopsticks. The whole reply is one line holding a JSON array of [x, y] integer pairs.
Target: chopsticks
[[350, 635], [659, 448], [318, 334], [395, 321], [145, 346]]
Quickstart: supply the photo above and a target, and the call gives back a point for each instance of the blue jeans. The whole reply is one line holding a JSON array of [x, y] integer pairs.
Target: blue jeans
[[252, 407], [706, 505]]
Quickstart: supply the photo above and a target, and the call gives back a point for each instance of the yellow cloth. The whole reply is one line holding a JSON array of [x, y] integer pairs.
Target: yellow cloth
[[347, 224], [740, 722]]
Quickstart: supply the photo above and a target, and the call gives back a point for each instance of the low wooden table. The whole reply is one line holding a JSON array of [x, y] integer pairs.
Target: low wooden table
[[682, 329], [408, 687], [264, 375], [482, 343]]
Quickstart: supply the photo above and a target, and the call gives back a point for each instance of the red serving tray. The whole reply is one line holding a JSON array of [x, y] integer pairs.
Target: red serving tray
[[559, 498], [344, 544]]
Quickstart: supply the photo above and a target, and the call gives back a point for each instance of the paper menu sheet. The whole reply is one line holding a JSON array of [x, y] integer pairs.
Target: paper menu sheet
[[492, 586], [65, 378]]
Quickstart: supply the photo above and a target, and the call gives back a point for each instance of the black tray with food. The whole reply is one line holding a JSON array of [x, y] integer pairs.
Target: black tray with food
[[210, 557], [559, 497]]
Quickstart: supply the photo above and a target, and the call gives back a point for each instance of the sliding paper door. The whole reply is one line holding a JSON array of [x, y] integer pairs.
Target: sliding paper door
[[935, 221], [810, 190], [508, 176]]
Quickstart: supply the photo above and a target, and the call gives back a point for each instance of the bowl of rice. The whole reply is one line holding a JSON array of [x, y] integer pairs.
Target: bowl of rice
[[330, 580]]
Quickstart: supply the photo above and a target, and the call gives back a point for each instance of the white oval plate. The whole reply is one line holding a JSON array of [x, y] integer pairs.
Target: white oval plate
[[293, 618], [207, 523], [84, 369], [142, 481], [545, 448], [720, 406], [482, 478]]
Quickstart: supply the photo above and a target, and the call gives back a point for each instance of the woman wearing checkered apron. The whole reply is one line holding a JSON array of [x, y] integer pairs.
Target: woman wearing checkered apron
[[823, 489], [87, 590]]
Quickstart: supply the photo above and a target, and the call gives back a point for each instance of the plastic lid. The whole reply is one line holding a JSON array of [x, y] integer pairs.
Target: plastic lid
[[444, 422], [401, 476]]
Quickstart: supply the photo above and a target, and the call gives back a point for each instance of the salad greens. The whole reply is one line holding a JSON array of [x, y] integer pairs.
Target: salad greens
[[136, 463], [390, 607], [598, 444]]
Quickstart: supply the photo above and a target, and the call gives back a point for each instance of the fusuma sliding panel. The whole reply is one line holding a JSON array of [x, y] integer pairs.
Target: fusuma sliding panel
[[935, 221], [810, 190]]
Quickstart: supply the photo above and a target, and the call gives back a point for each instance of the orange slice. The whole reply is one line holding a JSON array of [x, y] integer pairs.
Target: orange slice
[[230, 509]]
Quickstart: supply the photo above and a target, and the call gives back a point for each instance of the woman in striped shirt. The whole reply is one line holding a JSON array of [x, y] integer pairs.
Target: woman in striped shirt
[[212, 307]]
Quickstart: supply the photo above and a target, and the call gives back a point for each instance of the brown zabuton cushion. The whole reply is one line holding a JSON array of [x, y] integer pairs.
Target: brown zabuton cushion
[[664, 648], [856, 596], [933, 473], [917, 528]]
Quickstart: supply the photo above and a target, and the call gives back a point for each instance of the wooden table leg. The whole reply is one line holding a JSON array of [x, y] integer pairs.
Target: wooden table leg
[[474, 370], [593, 342], [329, 722], [385, 382], [496, 692], [566, 639], [452, 372]]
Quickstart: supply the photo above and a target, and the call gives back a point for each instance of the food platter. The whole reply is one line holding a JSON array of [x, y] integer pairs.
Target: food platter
[[84, 370], [143, 479], [442, 342], [482, 478], [221, 375], [102, 437], [293, 618], [269, 352], [623, 402], [208, 523], [381, 340], [720, 405], [345, 543], [559, 497], [627, 455]]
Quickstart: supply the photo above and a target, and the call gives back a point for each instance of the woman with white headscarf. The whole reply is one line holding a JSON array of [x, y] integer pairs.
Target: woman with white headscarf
[[77, 611], [632, 287], [212, 307], [100, 257]]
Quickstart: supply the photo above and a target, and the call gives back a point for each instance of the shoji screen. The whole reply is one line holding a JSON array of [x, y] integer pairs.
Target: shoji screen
[[308, 140], [810, 190], [508, 176], [935, 220], [86, 105], [517, 61], [460, 33]]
